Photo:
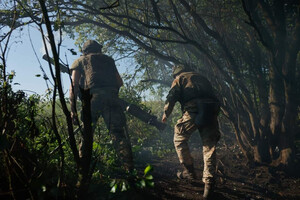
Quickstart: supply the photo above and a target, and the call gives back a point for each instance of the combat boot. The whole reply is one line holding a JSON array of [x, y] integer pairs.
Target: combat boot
[[187, 172], [208, 191]]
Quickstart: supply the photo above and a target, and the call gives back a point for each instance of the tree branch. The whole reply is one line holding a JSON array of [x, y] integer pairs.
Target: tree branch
[[255, 21], [162, 82], [59, 85]]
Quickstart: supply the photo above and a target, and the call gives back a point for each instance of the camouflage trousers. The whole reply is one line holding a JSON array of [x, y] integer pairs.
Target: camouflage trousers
[[209, 134], [105, 104]]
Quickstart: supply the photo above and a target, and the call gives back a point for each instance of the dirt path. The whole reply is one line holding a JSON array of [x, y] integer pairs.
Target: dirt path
[[235, 180]]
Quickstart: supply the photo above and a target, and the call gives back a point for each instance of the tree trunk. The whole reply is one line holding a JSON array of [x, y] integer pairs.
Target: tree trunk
[[276, 102], [261, 151], [244, 148], [289, 124]]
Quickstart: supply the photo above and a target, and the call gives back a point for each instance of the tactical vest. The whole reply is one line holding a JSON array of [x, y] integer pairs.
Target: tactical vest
[[99, 71]]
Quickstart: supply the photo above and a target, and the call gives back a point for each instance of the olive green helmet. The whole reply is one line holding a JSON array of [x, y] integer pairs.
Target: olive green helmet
[[91, 46], [177, 69]]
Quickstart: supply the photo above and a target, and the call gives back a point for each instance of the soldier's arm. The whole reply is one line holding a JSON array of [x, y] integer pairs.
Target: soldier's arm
[[76, 71], [172, 97], [118, 77], [74, 88], [119, 80]]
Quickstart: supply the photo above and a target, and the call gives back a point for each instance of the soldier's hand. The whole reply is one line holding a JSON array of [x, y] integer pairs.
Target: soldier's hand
[[164, 118]]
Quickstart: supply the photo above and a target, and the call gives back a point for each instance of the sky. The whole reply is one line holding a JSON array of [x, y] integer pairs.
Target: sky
[[22, 60]]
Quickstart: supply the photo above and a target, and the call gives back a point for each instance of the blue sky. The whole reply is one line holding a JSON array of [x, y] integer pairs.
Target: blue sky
[[22, 59]]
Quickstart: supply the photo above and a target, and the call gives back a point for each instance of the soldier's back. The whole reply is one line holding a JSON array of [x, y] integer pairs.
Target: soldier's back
[[100, 71], [194, 85]]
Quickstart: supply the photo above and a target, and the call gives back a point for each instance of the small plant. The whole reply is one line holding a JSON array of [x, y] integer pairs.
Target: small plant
[[133, 181]]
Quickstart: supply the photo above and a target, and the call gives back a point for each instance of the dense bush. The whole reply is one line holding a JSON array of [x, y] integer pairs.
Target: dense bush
[[29, 148]]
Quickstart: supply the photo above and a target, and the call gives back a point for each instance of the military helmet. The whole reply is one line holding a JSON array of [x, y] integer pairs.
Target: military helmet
[[177, 69], [91, 46]]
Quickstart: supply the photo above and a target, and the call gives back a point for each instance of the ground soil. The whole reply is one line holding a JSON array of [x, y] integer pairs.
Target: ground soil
[[235, 178]]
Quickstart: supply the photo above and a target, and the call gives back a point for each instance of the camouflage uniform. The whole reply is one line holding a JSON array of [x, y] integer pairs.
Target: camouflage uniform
[[100, 75], [192, 89]]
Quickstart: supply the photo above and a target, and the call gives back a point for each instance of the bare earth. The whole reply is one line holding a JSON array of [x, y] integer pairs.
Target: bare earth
[[235, 179]]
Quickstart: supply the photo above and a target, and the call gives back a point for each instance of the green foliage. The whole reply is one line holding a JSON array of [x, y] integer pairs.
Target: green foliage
[[134, 181], [28, 144], [104, 152]]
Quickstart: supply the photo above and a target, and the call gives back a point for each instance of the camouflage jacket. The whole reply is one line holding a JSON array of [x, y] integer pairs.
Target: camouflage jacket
[[186, 88]]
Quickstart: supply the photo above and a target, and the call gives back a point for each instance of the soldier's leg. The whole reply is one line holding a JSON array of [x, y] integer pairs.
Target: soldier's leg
[[210, 136], [116, 123], [182, 132], [94, 112]]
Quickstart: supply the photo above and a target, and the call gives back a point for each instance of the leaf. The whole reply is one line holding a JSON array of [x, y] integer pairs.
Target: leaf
[[148, 169], [149, 177], [37, 75], [56, 25], [112, 183], [45, 77], [28, 118], [150, 183], [73, 52], [114, 189], [124, 187], [143, 183], [17, 84], [10, 76]]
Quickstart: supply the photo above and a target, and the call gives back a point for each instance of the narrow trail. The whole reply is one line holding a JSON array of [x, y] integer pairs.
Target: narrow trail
[[235, 179]]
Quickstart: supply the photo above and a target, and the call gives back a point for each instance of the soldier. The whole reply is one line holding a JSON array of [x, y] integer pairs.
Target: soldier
[[98, 73], [200, 108]]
